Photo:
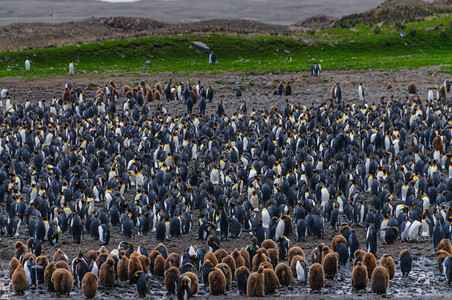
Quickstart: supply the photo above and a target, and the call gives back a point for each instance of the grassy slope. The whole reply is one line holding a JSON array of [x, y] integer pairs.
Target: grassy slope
[[356, 48]]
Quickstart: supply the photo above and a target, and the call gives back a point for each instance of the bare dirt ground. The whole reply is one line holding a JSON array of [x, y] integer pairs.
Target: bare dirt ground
[[424, 281]]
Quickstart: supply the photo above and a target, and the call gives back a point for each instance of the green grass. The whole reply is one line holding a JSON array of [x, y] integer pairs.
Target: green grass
[[337, 49]]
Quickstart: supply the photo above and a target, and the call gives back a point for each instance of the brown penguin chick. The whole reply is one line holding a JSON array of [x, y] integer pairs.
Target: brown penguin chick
[[20, 249], [171, 278], [284, 274], [157, 95], [238, 258], [62, 265], [441, 256], [330, 264], [173, 260], [273, 110], [246, 257], [412, 88], [387, 262], [193, 96], [59, 255], [242, 270], [152, 257], [19, 280], [126, 89], [159, 266], [66, 96], [443, 91], [294, 251], [256, 284], [101, 259], [149, 94], [134, 254], [271, 281], [259, 258], [134, 266], [107, 275], [89, 285], [389, 86], [359, 255], [48, 275], [220, 254], [273, 254], [145, 262], [231, 263], [194, 282], [103, 250], [123, 268], [370, 262], [379, 281], [268, 244], [325, 251], [158, 87], [13, 264], [213, 259], [438, 145], [227, 273], [316, 277], [266, 265], [217, 282], [316, 254], [359, 278], [337, 240], [288, 89], [293, 263], [62, 281], [92, 255]]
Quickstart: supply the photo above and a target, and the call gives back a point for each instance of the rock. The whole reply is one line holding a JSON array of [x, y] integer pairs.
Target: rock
[[200, 46]]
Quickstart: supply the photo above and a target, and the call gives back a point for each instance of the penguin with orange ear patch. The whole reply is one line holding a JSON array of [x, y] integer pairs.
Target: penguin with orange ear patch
[[370, 263], [284, 274], [194, 282], [359, 278], [316, 277], [19, 280], [89, 285], [142, 285], [379, 282], [242, 274], [171, 278], [256, 284], [107, 275], [62, 281], [183, 287], [217, 282], [387, 262]]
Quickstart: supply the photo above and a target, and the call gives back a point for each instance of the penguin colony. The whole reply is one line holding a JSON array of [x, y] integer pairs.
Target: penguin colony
[[281, 174]]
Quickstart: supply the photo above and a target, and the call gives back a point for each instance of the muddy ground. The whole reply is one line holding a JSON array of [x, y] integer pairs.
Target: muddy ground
[[424, 280]]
